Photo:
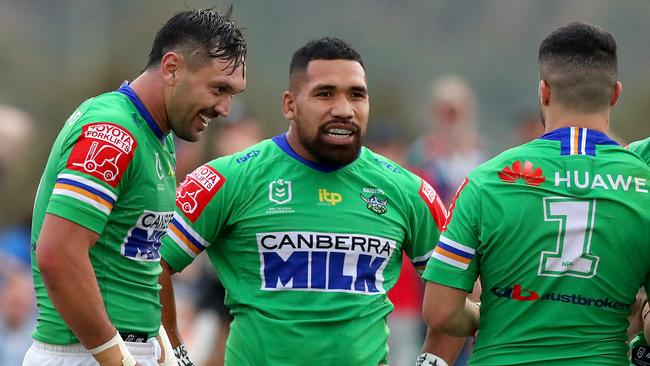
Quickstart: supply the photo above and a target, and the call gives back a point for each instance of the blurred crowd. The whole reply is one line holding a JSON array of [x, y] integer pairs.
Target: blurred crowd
[[443, 154]]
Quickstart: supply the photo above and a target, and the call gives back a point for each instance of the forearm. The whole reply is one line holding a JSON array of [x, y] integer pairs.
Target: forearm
[[72, 286], [167, 301], [465, 321], [443, 345]]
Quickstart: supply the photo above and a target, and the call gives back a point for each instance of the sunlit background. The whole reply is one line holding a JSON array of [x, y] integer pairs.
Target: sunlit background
[[55, 54]]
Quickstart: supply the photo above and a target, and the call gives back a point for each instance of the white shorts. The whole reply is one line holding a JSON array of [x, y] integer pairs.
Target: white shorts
[[44, 354]]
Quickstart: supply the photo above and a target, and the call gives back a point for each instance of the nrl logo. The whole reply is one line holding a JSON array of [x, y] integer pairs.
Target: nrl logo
[[375, 204]]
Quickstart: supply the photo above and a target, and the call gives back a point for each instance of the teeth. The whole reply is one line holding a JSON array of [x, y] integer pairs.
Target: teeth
[[339, 131], [205, 118]]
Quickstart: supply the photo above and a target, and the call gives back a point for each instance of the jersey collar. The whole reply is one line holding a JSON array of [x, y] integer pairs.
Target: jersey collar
[[126, 89], [283, 144], [578, 141]]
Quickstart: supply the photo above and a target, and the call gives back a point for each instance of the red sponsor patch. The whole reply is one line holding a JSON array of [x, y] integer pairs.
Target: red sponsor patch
[[453, 202], [197, 190], [103, 150], [433, 201], [528, 173]]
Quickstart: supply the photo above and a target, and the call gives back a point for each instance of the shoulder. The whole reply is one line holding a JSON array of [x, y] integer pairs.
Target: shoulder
[[642, 148], [245, 162], [110, 112], [386, 168]]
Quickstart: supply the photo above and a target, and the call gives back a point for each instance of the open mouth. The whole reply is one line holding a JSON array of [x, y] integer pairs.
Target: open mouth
[[206, 120], [339, 133]]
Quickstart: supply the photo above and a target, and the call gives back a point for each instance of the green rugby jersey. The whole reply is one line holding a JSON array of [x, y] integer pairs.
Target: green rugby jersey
[[111, 170], [559, 231], [306, 252], [642, 148]]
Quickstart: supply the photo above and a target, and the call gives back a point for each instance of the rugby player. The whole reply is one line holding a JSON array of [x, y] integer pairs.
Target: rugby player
[[106, 197], [558, 228], [307, 230]]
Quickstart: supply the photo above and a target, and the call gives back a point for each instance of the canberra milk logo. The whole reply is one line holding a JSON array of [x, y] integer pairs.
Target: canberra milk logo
[[280, 191], [327, 262], [143, 240]]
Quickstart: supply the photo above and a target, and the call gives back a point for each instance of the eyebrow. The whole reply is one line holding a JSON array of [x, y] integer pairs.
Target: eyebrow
[[356, 88]]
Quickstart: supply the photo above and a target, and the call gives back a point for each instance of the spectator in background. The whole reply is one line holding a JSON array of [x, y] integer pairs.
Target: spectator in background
[[17, 316], [452, 146]]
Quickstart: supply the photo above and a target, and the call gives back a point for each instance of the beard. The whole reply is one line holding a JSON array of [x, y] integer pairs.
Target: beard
[[331, 154]]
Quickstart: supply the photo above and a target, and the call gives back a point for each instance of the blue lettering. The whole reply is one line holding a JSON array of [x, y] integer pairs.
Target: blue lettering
[[366, 271], [318, 269], [337, 280], [295, 267]]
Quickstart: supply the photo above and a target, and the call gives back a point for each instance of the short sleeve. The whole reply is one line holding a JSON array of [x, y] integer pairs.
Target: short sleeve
[[454, 262], [93, 160], [427, 221], [199, 216]]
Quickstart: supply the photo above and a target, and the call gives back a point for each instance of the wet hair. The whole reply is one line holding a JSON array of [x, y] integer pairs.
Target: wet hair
[[326, 48], [200, 35], [579, 62]]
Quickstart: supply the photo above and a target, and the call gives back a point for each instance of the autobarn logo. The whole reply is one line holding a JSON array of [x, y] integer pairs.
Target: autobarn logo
[[104, 151], [328, 262], [197, 190]]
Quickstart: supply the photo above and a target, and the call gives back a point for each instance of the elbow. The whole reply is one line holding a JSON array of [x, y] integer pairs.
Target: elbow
[[435, 315], [48, 260], [436, 320]]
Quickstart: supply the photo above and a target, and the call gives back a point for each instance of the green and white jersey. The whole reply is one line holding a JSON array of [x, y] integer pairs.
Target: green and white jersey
[[306, 252], [642, 148], [559, 231], [111, 170]]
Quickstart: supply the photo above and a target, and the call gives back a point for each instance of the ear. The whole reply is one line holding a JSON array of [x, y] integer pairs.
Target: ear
[[289, 105], [170, 64], [544, 93], [616, 94]]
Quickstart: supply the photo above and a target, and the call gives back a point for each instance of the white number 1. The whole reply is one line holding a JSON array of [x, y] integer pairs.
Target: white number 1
[[571, 257]]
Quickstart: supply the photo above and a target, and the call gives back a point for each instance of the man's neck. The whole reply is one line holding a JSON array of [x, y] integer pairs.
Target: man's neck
[[150, 91], [595, 121]]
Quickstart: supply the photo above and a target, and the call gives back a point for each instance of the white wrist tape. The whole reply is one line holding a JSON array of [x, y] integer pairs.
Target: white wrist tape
[[117, 339], [127, 358], [167, 350], [429, 359]]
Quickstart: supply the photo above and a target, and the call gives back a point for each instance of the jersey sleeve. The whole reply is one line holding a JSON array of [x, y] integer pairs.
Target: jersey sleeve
[[454, 262], [94, 156], [200, 214], [427, 222]]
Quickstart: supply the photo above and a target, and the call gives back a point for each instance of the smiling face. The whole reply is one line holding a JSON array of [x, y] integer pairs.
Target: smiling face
[[328, 111], [201, 93]]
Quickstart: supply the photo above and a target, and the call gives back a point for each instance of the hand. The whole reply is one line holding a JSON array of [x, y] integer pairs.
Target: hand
[[181, 355], [113, 353]]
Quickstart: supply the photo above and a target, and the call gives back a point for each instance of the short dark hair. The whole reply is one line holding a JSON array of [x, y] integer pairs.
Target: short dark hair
[[326, 48], [205, 33], [579, 62]]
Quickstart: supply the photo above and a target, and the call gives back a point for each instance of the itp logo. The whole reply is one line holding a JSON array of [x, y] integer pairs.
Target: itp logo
[[280, 191]]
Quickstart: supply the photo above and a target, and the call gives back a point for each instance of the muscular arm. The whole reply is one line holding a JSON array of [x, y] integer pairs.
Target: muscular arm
[[448, 309], [168, 304], [64, 262]]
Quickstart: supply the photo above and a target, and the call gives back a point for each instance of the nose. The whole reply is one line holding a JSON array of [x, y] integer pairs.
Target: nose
[[342, 108], [223, 106]]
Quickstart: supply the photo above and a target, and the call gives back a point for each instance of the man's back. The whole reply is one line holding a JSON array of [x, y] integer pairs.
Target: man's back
[[561, 236]]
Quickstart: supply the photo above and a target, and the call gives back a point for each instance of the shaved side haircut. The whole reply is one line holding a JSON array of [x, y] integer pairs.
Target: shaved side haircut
[[579, 63]]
